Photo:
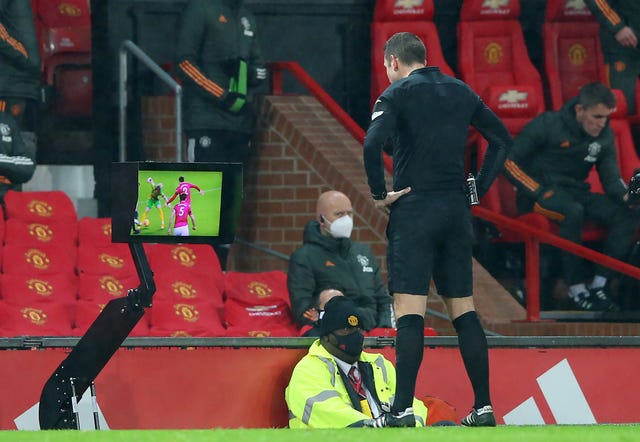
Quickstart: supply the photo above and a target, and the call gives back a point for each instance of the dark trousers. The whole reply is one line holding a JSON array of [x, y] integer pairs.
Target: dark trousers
[[580, 206]]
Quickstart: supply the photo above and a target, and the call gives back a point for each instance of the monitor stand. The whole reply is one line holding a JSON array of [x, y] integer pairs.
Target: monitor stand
[[76, 373]]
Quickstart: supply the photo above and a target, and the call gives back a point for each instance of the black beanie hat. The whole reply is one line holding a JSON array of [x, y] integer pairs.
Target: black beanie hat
[[339, 312]]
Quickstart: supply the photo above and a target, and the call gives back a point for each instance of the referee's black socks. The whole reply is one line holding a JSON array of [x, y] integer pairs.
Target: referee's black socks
[[475, 354], [409, 351]]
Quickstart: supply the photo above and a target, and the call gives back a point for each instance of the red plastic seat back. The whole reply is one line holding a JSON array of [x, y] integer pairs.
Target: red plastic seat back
[[572, 53], [43, 207], [491, 48], [94, 231], [110, 260], [382, 31], [394, 10]]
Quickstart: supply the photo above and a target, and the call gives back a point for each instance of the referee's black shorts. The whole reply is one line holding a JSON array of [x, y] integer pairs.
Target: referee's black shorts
[[430, 235]]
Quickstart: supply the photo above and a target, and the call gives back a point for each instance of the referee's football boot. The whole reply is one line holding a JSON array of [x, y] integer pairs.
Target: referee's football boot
[[482, 417]]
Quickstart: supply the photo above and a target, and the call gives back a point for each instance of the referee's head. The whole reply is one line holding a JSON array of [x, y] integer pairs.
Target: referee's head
[[406, 47]]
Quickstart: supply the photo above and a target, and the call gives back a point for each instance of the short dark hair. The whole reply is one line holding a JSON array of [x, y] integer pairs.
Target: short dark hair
[[183, 196], [181, 178], [407, 47], [592, 94]]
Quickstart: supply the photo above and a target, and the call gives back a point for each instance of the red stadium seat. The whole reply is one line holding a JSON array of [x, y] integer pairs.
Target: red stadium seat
[[260, 288], [198, 259], [184, 319], [59, 288], [572, 52], [104, 288], [94, 231], [257, 304], [35, 319], [65, 41], [113, 260], [40, 207], [491, 49], [87, 311], [62, 234], [391, 16], [185, 286], [45, 259]]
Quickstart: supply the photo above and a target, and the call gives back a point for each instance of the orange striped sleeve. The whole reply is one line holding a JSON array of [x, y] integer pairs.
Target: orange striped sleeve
[[519, 175], [609, 13], [15, 44], [200, 79]]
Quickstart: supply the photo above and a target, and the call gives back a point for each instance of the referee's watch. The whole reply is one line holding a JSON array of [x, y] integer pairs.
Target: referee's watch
[[379, 196]]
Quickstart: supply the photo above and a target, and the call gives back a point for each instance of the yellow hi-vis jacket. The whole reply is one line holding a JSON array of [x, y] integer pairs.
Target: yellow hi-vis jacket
[[317, 396]]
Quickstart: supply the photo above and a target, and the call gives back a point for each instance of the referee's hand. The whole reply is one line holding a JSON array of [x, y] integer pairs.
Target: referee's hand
[[390, 199]]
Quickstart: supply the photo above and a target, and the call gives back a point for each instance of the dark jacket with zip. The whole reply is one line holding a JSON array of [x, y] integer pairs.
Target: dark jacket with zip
[[19, 56], [324, 262], [553, 151], [17, 160], [215, 35]]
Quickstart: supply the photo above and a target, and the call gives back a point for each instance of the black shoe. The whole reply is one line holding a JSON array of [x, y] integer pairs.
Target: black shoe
[[607, 304], [482, 417], [403, 419], [585, 301]]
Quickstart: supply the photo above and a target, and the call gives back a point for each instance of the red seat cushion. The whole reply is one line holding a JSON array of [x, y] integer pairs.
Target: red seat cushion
[[38, 260], [170, 318], [104, 288], [60, 233], [198, 259], [109, 260], [187, 287], [60, 288], [35, 319]]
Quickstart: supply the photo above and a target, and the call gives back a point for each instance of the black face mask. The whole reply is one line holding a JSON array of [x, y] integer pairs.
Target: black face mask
[[351, 344]]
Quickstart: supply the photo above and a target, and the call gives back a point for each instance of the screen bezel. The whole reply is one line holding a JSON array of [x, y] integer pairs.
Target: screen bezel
[[125, 177]]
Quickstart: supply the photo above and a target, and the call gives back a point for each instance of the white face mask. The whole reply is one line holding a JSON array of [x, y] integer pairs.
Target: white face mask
[[341, 227]]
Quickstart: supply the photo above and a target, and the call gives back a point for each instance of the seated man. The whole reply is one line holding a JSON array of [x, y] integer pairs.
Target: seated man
[[17, 159], [330, 264], [337, 385], [550, 162]]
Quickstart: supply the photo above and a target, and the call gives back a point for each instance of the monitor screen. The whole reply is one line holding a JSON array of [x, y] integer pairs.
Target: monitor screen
[[175, 202]]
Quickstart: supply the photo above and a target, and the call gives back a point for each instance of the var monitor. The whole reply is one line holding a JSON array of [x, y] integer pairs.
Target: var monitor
[[175, 202]]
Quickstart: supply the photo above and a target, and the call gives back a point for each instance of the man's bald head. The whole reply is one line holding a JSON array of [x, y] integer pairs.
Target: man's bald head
[[331, 206]]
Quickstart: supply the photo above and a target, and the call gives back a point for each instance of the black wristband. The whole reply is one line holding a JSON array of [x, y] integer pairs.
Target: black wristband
[[379, 196]]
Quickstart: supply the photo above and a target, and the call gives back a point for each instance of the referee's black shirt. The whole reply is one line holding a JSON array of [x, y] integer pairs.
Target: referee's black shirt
[[428, 115]]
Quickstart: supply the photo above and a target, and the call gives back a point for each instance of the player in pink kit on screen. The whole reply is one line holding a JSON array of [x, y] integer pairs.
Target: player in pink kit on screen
[[185, 187], [181, 214]]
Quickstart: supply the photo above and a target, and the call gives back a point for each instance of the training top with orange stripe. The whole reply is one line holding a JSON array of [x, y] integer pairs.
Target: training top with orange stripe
[[19, 56], [553, 151], [613, 15], [214, 35]]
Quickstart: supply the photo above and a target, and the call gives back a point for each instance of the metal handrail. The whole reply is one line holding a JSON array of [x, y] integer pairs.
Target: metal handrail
[[129, 47]]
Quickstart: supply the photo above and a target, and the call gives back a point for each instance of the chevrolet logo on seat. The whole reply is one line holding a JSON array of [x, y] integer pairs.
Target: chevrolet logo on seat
[[513, 99], [408, 3], [576, 5], [495, 4]]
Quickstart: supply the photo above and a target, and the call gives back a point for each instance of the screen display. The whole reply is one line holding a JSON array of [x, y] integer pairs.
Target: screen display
[[176, 202]]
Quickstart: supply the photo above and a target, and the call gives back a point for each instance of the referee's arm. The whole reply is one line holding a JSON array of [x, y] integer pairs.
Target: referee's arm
[[383, 123]]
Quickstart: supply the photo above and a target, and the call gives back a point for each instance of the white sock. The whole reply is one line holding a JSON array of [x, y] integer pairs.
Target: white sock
[[598, 282], [576, 289]]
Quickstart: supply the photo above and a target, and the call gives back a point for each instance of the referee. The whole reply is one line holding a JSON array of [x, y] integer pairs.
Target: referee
[[428, 115]]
